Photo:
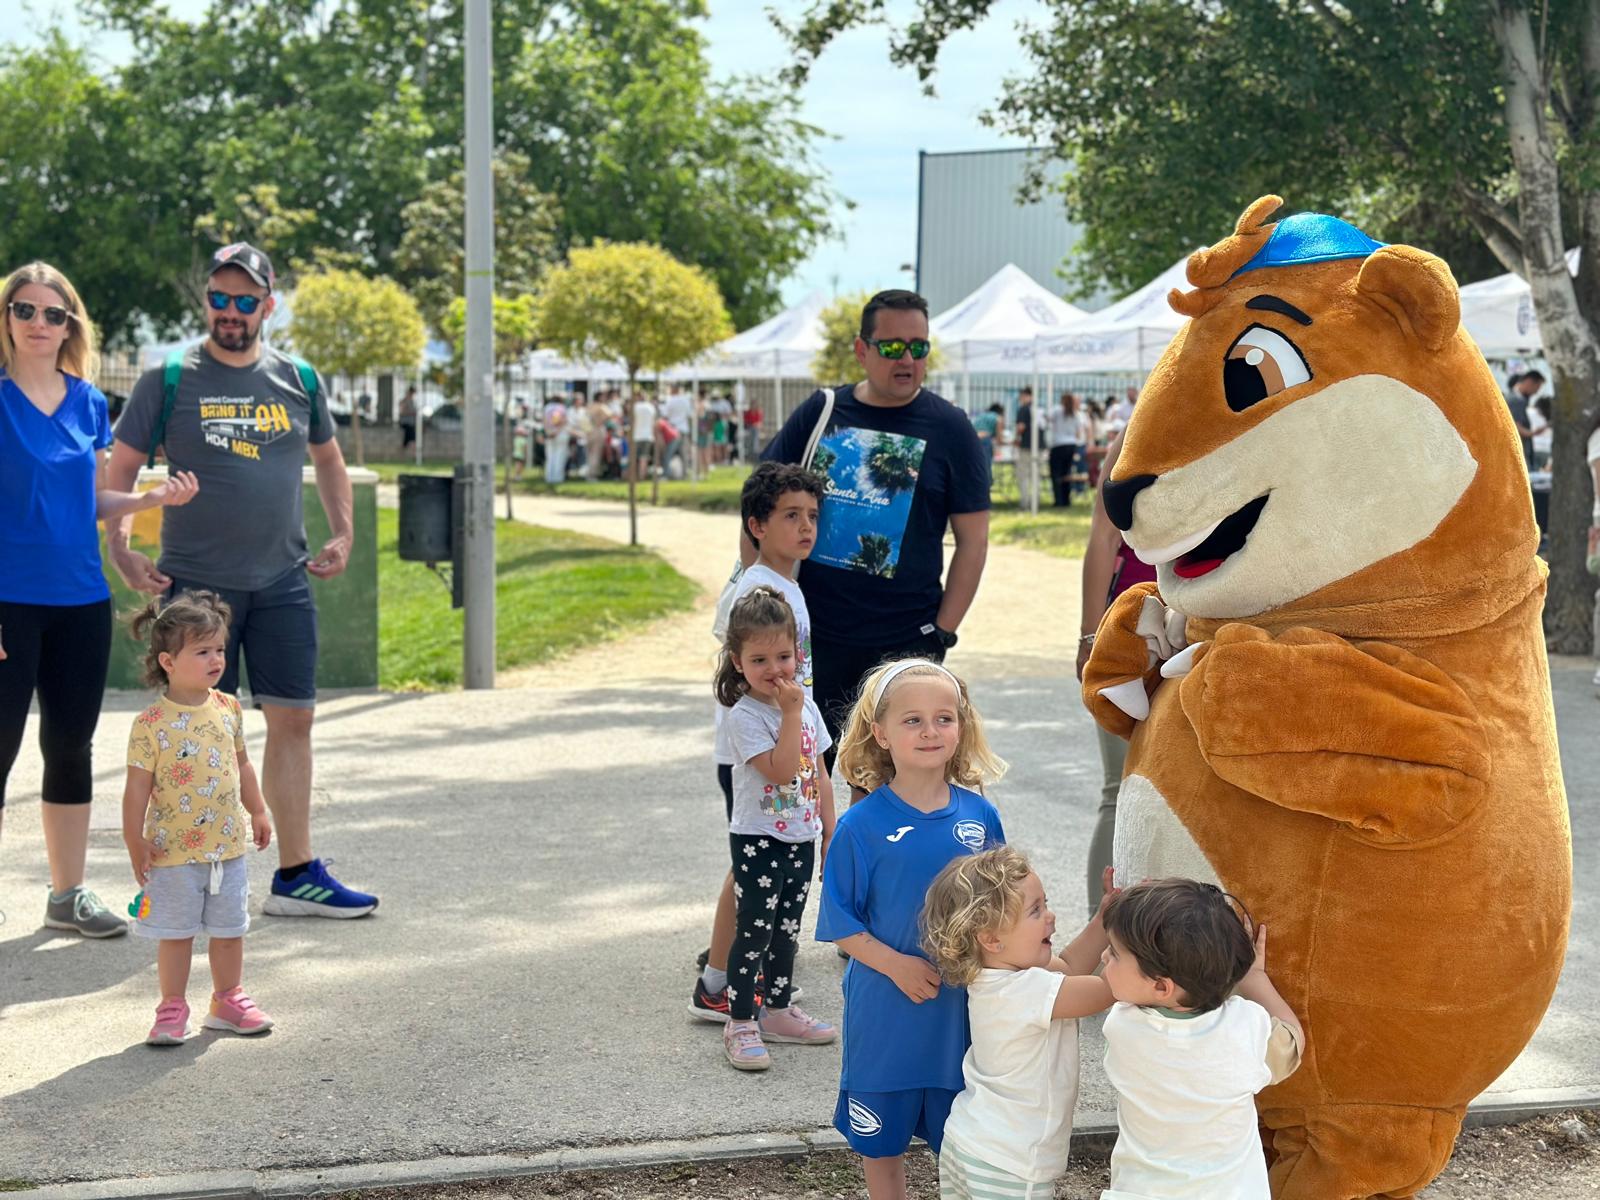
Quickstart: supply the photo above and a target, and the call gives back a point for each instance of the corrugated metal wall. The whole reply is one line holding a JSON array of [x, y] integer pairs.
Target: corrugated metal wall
[[970, 225]]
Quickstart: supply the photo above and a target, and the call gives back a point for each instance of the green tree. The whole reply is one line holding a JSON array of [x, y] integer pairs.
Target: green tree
[[1481, 115], [352, 106], [75, 197], [634, 303], [431, 260], [347, 324]]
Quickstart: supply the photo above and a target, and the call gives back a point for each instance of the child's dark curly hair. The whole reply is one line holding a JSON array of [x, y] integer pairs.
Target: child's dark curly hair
[[767, 483], [173, 624], [1185, 931]]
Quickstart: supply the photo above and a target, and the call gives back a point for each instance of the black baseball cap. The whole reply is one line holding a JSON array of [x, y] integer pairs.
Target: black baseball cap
[[248, 259]]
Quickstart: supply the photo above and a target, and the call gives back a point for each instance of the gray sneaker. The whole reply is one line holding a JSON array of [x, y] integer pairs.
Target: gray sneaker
[[81, 911]]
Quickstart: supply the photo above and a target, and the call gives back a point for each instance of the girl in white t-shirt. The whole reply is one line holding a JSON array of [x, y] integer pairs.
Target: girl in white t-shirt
[[987, 927], [1197, 1030], [778, 508], [782, 804]]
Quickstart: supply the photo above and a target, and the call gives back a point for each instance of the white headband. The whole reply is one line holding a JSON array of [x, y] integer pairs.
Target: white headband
[[904, 665]]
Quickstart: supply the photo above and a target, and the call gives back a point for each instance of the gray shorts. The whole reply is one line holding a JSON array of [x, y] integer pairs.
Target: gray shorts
[[182, 903]]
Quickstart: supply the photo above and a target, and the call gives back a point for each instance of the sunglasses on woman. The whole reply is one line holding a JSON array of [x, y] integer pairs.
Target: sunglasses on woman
[[23, 311], [245, 304], [896, 347]]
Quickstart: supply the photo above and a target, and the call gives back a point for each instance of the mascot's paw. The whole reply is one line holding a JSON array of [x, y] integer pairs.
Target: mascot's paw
[[1365, 734], [1138, 635]]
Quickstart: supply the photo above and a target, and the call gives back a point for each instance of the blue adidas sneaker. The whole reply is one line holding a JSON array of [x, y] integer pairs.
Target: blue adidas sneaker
[[315, 893]]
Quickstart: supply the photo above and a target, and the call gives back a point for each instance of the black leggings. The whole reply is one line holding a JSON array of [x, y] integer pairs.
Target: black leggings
[[770, 883], [61, 651], [1062, 461]]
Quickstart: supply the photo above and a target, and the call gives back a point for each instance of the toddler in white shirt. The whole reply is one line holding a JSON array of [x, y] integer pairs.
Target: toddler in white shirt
[[1198, 1029], [987, 927]]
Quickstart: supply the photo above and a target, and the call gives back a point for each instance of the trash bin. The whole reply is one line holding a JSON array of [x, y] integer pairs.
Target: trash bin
[[425, 518]]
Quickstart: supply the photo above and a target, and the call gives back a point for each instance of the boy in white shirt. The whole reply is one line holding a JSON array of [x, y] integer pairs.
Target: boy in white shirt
[[778, 508], [987, 927], [1198, 1029]]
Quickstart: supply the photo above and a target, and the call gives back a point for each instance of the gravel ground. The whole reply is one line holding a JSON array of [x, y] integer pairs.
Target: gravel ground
[[1551, 1158]]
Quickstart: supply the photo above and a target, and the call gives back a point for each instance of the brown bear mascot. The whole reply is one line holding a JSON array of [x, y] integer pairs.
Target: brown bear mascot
[[1336, 692]]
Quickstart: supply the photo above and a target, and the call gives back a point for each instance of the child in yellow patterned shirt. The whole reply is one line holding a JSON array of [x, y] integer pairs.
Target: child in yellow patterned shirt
[[190, 788]]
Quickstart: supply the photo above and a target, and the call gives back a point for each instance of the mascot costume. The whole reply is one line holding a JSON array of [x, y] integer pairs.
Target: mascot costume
[[1336, 692]]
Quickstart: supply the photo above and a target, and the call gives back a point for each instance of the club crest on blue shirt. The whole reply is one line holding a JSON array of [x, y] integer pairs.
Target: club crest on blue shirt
[[971, 834]]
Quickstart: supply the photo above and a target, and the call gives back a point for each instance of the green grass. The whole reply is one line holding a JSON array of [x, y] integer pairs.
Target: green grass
[[1062, 532], [554, 591], [717, 493], [17, 1185]]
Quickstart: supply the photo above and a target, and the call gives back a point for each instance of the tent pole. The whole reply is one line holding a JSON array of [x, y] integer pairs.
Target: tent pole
[[1033, 436]]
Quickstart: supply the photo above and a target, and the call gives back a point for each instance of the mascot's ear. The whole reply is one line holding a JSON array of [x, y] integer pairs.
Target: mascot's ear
[[1213, 267], [1416, 289]]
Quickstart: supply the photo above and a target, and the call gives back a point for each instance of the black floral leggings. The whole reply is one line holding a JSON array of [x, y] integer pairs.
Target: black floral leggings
[[771, 879]]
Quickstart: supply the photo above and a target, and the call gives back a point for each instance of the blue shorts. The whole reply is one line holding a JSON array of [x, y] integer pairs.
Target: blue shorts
[[275, 631], [882, 1124]]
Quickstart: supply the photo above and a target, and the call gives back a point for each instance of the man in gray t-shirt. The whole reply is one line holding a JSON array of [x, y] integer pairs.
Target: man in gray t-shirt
[[242, 420]]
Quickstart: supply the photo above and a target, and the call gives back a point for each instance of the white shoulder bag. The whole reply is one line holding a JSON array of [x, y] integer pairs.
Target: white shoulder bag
[[719, 623]]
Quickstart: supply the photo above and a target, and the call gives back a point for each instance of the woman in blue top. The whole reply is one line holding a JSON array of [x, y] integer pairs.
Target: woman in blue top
[[915, 741], [55, 605]]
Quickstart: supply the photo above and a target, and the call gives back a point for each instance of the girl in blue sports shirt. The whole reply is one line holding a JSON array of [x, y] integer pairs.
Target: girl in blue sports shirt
[[914, 742]]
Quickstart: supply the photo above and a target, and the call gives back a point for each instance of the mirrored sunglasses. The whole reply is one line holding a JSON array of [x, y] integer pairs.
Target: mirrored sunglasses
[[245, 304], [896, 347], [54, 314]]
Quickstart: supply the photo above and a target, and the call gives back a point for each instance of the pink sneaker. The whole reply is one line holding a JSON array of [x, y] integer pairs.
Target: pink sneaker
[[172, 1023], [741, 1041], [236, 1011], [794, 1024]]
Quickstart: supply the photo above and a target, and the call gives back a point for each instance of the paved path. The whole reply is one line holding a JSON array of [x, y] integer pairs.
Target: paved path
[[547, 855]]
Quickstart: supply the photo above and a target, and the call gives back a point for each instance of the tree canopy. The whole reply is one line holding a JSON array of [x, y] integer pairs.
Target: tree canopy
[[636, 303], [1471, 129], [352, 108], [431, 260], [347, 324]]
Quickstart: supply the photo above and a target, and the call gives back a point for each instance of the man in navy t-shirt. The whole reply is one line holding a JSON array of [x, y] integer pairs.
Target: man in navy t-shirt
[[902, 464]]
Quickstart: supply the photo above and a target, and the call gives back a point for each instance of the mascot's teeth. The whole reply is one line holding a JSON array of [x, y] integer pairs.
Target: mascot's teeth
[[1166, 554]]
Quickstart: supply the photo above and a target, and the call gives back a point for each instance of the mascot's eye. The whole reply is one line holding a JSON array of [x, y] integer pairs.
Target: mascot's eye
[[1261, 363]]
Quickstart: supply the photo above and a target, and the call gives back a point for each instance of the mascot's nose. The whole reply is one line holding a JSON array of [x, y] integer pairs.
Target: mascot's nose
[[1119, 494]]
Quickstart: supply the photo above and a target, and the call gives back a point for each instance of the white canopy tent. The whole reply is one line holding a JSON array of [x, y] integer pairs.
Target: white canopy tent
[[1129, 335], [1499, 314], [998, 327]]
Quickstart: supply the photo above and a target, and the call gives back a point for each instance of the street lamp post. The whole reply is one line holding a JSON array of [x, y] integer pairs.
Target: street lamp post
[[476, 474]]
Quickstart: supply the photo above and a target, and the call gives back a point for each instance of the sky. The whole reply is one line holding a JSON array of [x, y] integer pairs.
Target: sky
[[875, 111]]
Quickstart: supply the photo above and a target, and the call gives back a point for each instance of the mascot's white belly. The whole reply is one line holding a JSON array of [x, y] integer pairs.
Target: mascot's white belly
[[1150, 842]]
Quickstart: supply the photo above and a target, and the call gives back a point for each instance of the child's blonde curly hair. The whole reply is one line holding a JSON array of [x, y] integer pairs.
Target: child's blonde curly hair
[[867, 765], [979, 893]]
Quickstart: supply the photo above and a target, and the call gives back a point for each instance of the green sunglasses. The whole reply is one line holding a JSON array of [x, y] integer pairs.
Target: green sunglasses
[[896, 347]]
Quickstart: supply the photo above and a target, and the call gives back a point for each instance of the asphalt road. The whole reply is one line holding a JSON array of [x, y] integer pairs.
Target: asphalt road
[[547, 859]]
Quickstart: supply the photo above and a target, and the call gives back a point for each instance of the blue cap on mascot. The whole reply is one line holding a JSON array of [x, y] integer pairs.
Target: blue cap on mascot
[[1310, 238]]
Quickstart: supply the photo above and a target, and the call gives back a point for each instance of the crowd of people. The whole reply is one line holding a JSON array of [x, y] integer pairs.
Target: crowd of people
[[1068, 449], [675, 435]]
